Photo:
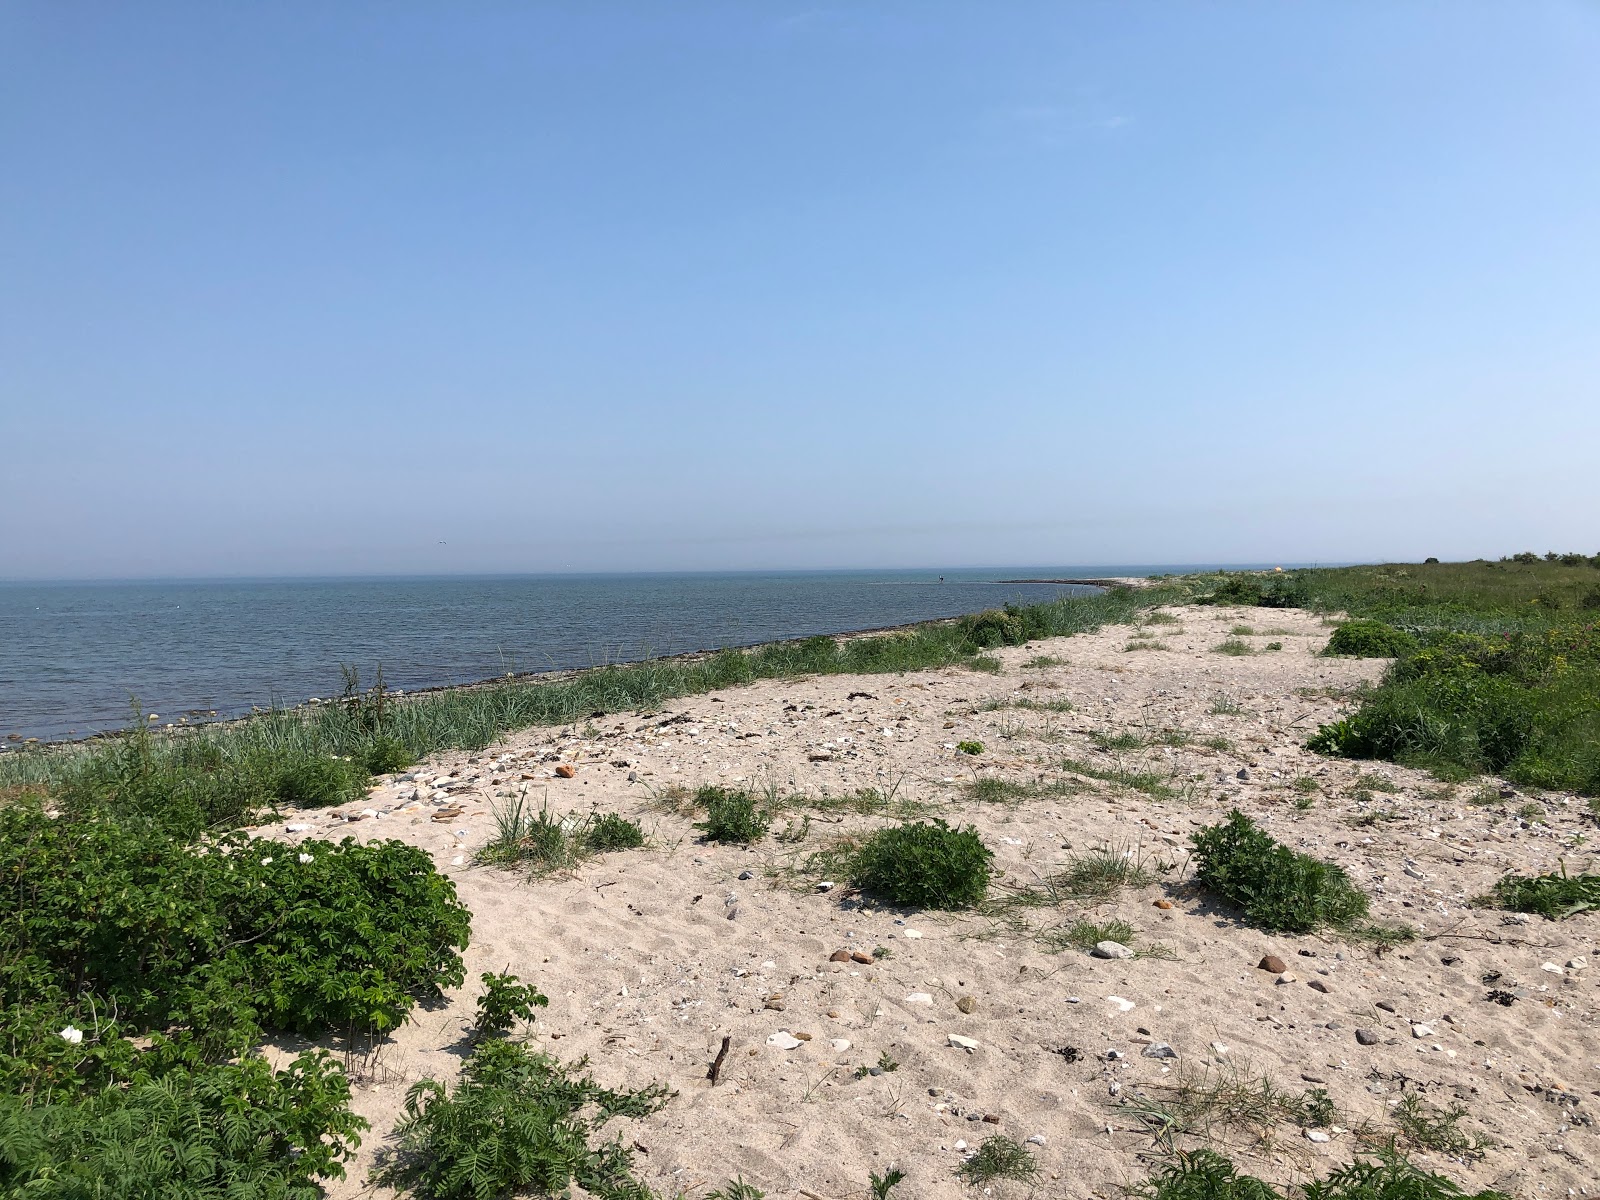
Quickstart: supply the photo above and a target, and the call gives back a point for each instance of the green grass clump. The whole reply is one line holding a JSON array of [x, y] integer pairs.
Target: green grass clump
[[999, 1158], [518, 1122], [1085, 935], [1279, 889], [970, 747], [991, 789], [1364, 638], [732, 815], [321, 782], [924, 865], [1554, 896], [1101, 874], [1234, 647]]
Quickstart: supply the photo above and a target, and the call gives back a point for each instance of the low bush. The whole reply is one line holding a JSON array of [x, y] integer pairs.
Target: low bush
[[1555, 896], [973, 748], [225, 1129], [732, 815], [1207, 1175], [1278, 889], [1257, 591], [612, 831], [1370, 639], [999, 1157], [517, 1122], [924, 865], [505, 1001], [1524, 705]]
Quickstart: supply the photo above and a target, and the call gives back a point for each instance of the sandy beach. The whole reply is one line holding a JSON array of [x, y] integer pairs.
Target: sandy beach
[[650, 957]]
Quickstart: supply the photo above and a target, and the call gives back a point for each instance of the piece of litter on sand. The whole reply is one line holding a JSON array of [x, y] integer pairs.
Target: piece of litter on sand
[[1123, 1005], [783, 1040], [964, 1043]]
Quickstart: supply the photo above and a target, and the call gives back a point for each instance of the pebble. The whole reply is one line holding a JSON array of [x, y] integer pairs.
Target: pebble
[[1386, 1006], [1367, 1037], [858, 956], [1287, 977], [783, 1040], [827, 885], [1317, 985], [839, 956], [968, 1004], [919, 998], [1122, 1005], [1037, 1139], [840, 1045], [566, 770], [1422, 1031], [1161, 904], [1272, 963], [964, 1043], [1577, 964], [747, 874], [1111, 950], [1159, 1050], [296, 828], [1316, 1135]]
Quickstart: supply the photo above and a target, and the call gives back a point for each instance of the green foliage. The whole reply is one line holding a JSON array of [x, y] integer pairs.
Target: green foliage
[[1279, 889], [504, 1002], [732, 815], [204, 946], [883, 1184], [517, 1122], [993, 627], [1364, 638], [736, 1189], [1429, 1127], [999, 1158], [1260, 591], [1525, 704], [970, 747], [1233, 646], [226, 1129], [612, 831], [320, 782], [1203, 1175], [385, 755], [1554, 896], [924, 865], [1086, 935], [1207, 1175]]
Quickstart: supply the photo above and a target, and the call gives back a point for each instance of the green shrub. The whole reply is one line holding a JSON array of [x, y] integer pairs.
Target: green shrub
[[228, 1129], [1207, 1175], [385, 755], [1362, 638], [970, 747], [993, 627], [999, 1157], [731, 816], [317, 782], [924, 865], [517, 1122], [1233, 646], [1554, 896], [1275, 591], [1279, 889], [504, 1002], [612, 831]]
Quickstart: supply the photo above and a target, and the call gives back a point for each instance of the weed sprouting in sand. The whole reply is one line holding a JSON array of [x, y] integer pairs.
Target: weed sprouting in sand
[[999, 1158]]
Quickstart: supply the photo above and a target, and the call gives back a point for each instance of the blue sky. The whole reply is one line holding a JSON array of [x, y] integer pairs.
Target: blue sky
[[414, 287]]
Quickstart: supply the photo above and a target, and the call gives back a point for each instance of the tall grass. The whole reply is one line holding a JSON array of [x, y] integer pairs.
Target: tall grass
[[217, 775]]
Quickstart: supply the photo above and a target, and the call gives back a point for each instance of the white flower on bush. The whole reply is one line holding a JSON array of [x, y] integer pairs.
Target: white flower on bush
[[305, 858], [267, 861], [72, 1034]]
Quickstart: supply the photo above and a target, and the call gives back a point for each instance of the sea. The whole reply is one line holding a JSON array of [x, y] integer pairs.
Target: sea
[[76, 657]]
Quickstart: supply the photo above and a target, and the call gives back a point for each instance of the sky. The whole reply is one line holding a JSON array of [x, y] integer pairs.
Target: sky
[[405, 287]]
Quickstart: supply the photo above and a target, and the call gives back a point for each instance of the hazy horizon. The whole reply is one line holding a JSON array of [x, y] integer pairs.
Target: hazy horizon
[[330, 291]]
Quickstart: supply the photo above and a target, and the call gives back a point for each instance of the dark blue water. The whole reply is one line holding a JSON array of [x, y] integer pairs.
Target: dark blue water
[[72, 655]]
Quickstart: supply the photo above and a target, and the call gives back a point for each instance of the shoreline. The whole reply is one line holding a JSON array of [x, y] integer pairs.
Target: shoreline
[[555, 675]]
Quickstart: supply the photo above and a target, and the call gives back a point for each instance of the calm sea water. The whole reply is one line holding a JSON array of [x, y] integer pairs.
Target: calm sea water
[[72, 655]]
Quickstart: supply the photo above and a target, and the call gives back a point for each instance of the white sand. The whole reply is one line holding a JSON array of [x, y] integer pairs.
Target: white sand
[[646, 973]]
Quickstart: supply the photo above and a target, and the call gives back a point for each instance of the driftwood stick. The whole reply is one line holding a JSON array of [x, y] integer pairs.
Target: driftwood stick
[[716, 1063]]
